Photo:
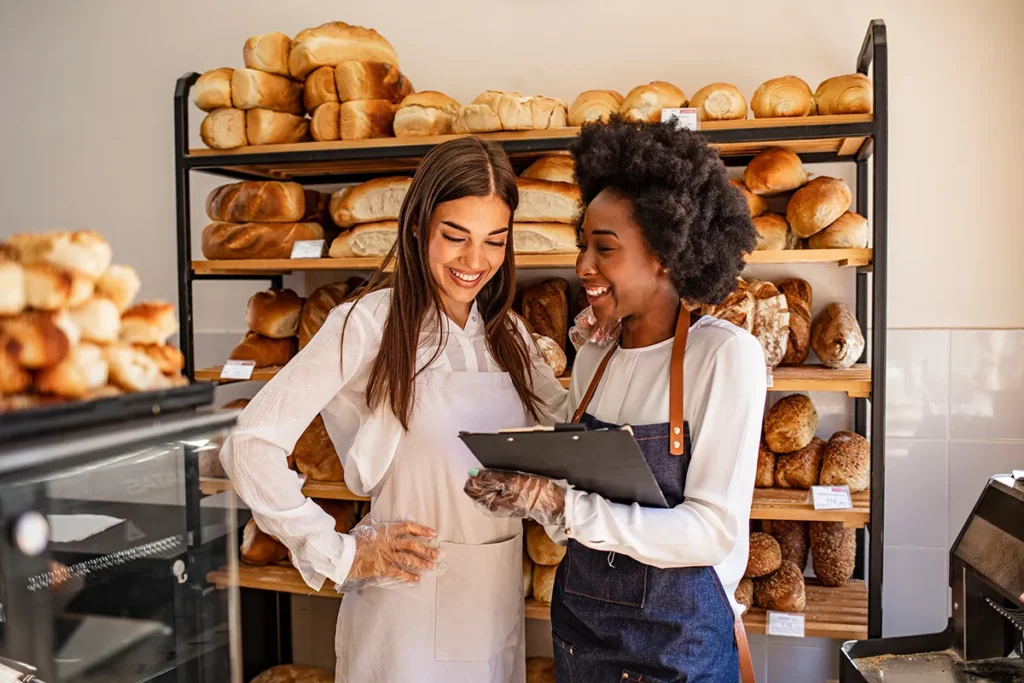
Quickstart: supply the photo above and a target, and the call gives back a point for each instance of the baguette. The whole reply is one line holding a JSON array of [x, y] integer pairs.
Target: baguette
[[266, 127], [335, 42], [368, 240], [375, 200], [224, 128], [371, 81], [256, 240], [213, 89], [268, 52]]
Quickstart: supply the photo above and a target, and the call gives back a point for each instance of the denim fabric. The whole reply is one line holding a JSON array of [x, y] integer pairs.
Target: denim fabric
[[616, 619]]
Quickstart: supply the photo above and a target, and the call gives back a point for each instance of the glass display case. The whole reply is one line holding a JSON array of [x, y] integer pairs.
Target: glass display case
[[105, 548]]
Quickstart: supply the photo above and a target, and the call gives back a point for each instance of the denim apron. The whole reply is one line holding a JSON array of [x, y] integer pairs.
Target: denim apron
[[616, 619]]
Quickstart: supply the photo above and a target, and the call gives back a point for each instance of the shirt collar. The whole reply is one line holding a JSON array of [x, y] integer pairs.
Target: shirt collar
[[474, 324]]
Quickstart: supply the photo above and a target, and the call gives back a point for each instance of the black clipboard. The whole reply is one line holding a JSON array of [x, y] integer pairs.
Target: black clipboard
[[607, 462]]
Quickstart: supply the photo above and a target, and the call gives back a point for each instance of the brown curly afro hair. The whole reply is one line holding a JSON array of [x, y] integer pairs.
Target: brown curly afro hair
[[695, 222]]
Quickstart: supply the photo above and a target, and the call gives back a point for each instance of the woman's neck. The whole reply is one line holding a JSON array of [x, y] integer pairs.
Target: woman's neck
[[654, 325], [457, 311]]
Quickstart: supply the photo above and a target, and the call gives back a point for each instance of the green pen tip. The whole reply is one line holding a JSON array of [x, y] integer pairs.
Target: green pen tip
[[473, 472]]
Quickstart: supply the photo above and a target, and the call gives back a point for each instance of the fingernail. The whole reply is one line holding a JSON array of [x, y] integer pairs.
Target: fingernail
[[474, 472]]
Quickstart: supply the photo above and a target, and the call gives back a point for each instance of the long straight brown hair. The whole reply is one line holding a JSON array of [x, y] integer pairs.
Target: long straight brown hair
[[464, 167]]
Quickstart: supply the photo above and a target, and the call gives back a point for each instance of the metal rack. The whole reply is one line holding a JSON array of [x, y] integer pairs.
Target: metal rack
[[858, 139]]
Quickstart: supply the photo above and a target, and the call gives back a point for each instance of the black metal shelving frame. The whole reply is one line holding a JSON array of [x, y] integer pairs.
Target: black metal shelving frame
[[872, 178]]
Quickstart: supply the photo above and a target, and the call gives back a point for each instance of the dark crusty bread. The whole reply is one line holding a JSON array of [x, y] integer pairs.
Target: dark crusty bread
[[782, 591], [836, 337], [800, 469], [790, 424], [315, 455], [792, 538], [798, 295], [833, 551], [745, 593], [765, 555], [546, 309], [765, 477], [318, 306], [847, 462], [260, 548]]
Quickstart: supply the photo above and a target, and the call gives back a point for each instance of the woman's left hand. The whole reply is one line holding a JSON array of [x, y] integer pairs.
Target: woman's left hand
[[512, 494]]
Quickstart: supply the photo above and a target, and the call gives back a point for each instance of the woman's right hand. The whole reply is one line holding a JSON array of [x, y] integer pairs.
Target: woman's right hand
[[390, 554]]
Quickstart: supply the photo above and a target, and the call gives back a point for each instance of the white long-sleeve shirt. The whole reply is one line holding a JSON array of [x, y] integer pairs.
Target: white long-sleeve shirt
[[724, 387], [330, 377]]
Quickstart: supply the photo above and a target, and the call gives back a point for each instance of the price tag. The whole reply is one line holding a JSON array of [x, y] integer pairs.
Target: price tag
[[769, 377], [831, 497], [308, 249], [684, 118], [785, 624], [237, 369]]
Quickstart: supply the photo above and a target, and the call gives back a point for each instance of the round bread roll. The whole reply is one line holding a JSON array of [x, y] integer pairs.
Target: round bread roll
[[792, 538], [120, 284], [132, 370], [773, 233], [757, 204], [765, 555], [850, 94], [34, 339], [847, 462], [833, 551], [14, 379], [790, 424], [169, 359], [317, 307], [12, 287], [783, 591], [817, 205], [98, 320], [773, 171], [213, 89], [150, 322], [260, 548], [319, 88], [544, 583], [527, 576], [425, 113], [800, 469], [83, 370], [849, 231], [594, 105], [552, 353], [719, 102], [765, 477], [542, 550], [782, 97], [645, 102], [47, 287], [315, 455], [836, 337], [274, 313], [540, 670], [336, 42], [745, 593], [294, 673], [554, 167]]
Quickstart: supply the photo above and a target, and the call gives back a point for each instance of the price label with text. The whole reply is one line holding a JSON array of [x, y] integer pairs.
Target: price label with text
[[769, 377], [831, 497], [684, 118], [785, 624], [237, 369], [308, 249]]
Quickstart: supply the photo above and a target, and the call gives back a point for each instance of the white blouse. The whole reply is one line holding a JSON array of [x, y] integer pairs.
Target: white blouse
[[724, 386], [330, 377]]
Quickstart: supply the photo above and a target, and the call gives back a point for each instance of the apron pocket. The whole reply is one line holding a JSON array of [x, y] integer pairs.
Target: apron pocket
[[604, 576], [478, 612], [631, 677], [565, 661]]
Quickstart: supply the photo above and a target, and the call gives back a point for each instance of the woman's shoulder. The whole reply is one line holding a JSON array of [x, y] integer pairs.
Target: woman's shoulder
[[370, 311], [720, 339]]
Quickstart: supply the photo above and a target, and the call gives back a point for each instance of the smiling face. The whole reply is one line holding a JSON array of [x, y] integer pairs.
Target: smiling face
[[620, 273], [467, 247]]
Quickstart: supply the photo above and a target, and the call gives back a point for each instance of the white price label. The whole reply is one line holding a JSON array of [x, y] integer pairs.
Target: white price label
[[308, 249], [785, 624], [237, 369], [831, 497], [684, 118], [769, 377]]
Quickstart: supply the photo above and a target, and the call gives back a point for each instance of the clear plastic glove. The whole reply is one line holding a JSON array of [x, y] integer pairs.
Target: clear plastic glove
[[585, 328], [513, 494], [391, 555]]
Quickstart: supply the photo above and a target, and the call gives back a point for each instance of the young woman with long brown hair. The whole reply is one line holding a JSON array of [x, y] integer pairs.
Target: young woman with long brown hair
[[396, 375]]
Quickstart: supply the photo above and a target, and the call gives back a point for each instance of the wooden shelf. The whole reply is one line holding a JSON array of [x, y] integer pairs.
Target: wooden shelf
[[795, 504], [328, 490], [213, 375], [279, 578]]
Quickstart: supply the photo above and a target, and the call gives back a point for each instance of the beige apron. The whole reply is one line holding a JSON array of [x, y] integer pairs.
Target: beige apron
[[465, 625]]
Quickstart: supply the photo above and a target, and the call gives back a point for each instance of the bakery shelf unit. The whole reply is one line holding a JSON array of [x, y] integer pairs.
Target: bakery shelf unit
[[853, 611]]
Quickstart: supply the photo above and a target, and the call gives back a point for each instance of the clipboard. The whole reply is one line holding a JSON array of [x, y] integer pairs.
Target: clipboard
[[607, 462]]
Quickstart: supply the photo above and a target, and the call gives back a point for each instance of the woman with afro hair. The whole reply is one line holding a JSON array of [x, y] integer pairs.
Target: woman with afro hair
[[648, 593]]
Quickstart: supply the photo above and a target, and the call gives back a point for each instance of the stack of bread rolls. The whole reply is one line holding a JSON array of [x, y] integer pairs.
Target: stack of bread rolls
[[549, 202], [771, 581], [366, 94], [541, 562], [273, 320], [367, 215], [494, 110], [68, 329], [761, 309]]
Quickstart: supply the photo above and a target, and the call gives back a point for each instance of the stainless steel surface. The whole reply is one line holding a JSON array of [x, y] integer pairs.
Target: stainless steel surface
[[938, 667]]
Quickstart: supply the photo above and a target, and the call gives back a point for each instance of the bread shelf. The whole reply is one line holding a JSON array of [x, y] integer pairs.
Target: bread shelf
[[795, 504], [278, 578], [324, 490]]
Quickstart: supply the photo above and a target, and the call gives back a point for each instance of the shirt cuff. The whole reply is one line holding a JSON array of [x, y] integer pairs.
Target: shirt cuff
[[336, 566], [571, 496]]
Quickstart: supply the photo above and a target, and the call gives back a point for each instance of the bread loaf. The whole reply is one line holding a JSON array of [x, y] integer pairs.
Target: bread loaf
[[836, 337], [545, 201], [800, 469], [260, 548], [792, 538], [594, 105], [554, 167], [317, 307], [335, 42], [266, 127], [47, 287], [771, 321], [798, 301], [356, 80], [99, 320], [264, 351], [151, 322], [375, 200], [169, 359], [268, 52], [833, 551], [476, 118], [817, 205], [757, 204], [540, 670], [737, 308], [847, 462], [345, 513], [773, 171], [851, 94], [849, 231], [84, 252], [765, 555], [493, 110], [782, 591], [645, 102], [544, 238], [66, 324], [546, 309], [274, 313], [257, 200], [719, 102], [367, 119], [316, 208], [425, 113], [294, 673], [785, 96], [319, 88], [543, 583], [369, 240], [773, 233], [543, 551], [224, 128], [527, 576], [256, 240], [315, 455], [553, 354], [745, 594], [14, 379], [12, 288], [325, 124], [120, 284], [213, 89], [790, 424], [133, 370], [765, 477]]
